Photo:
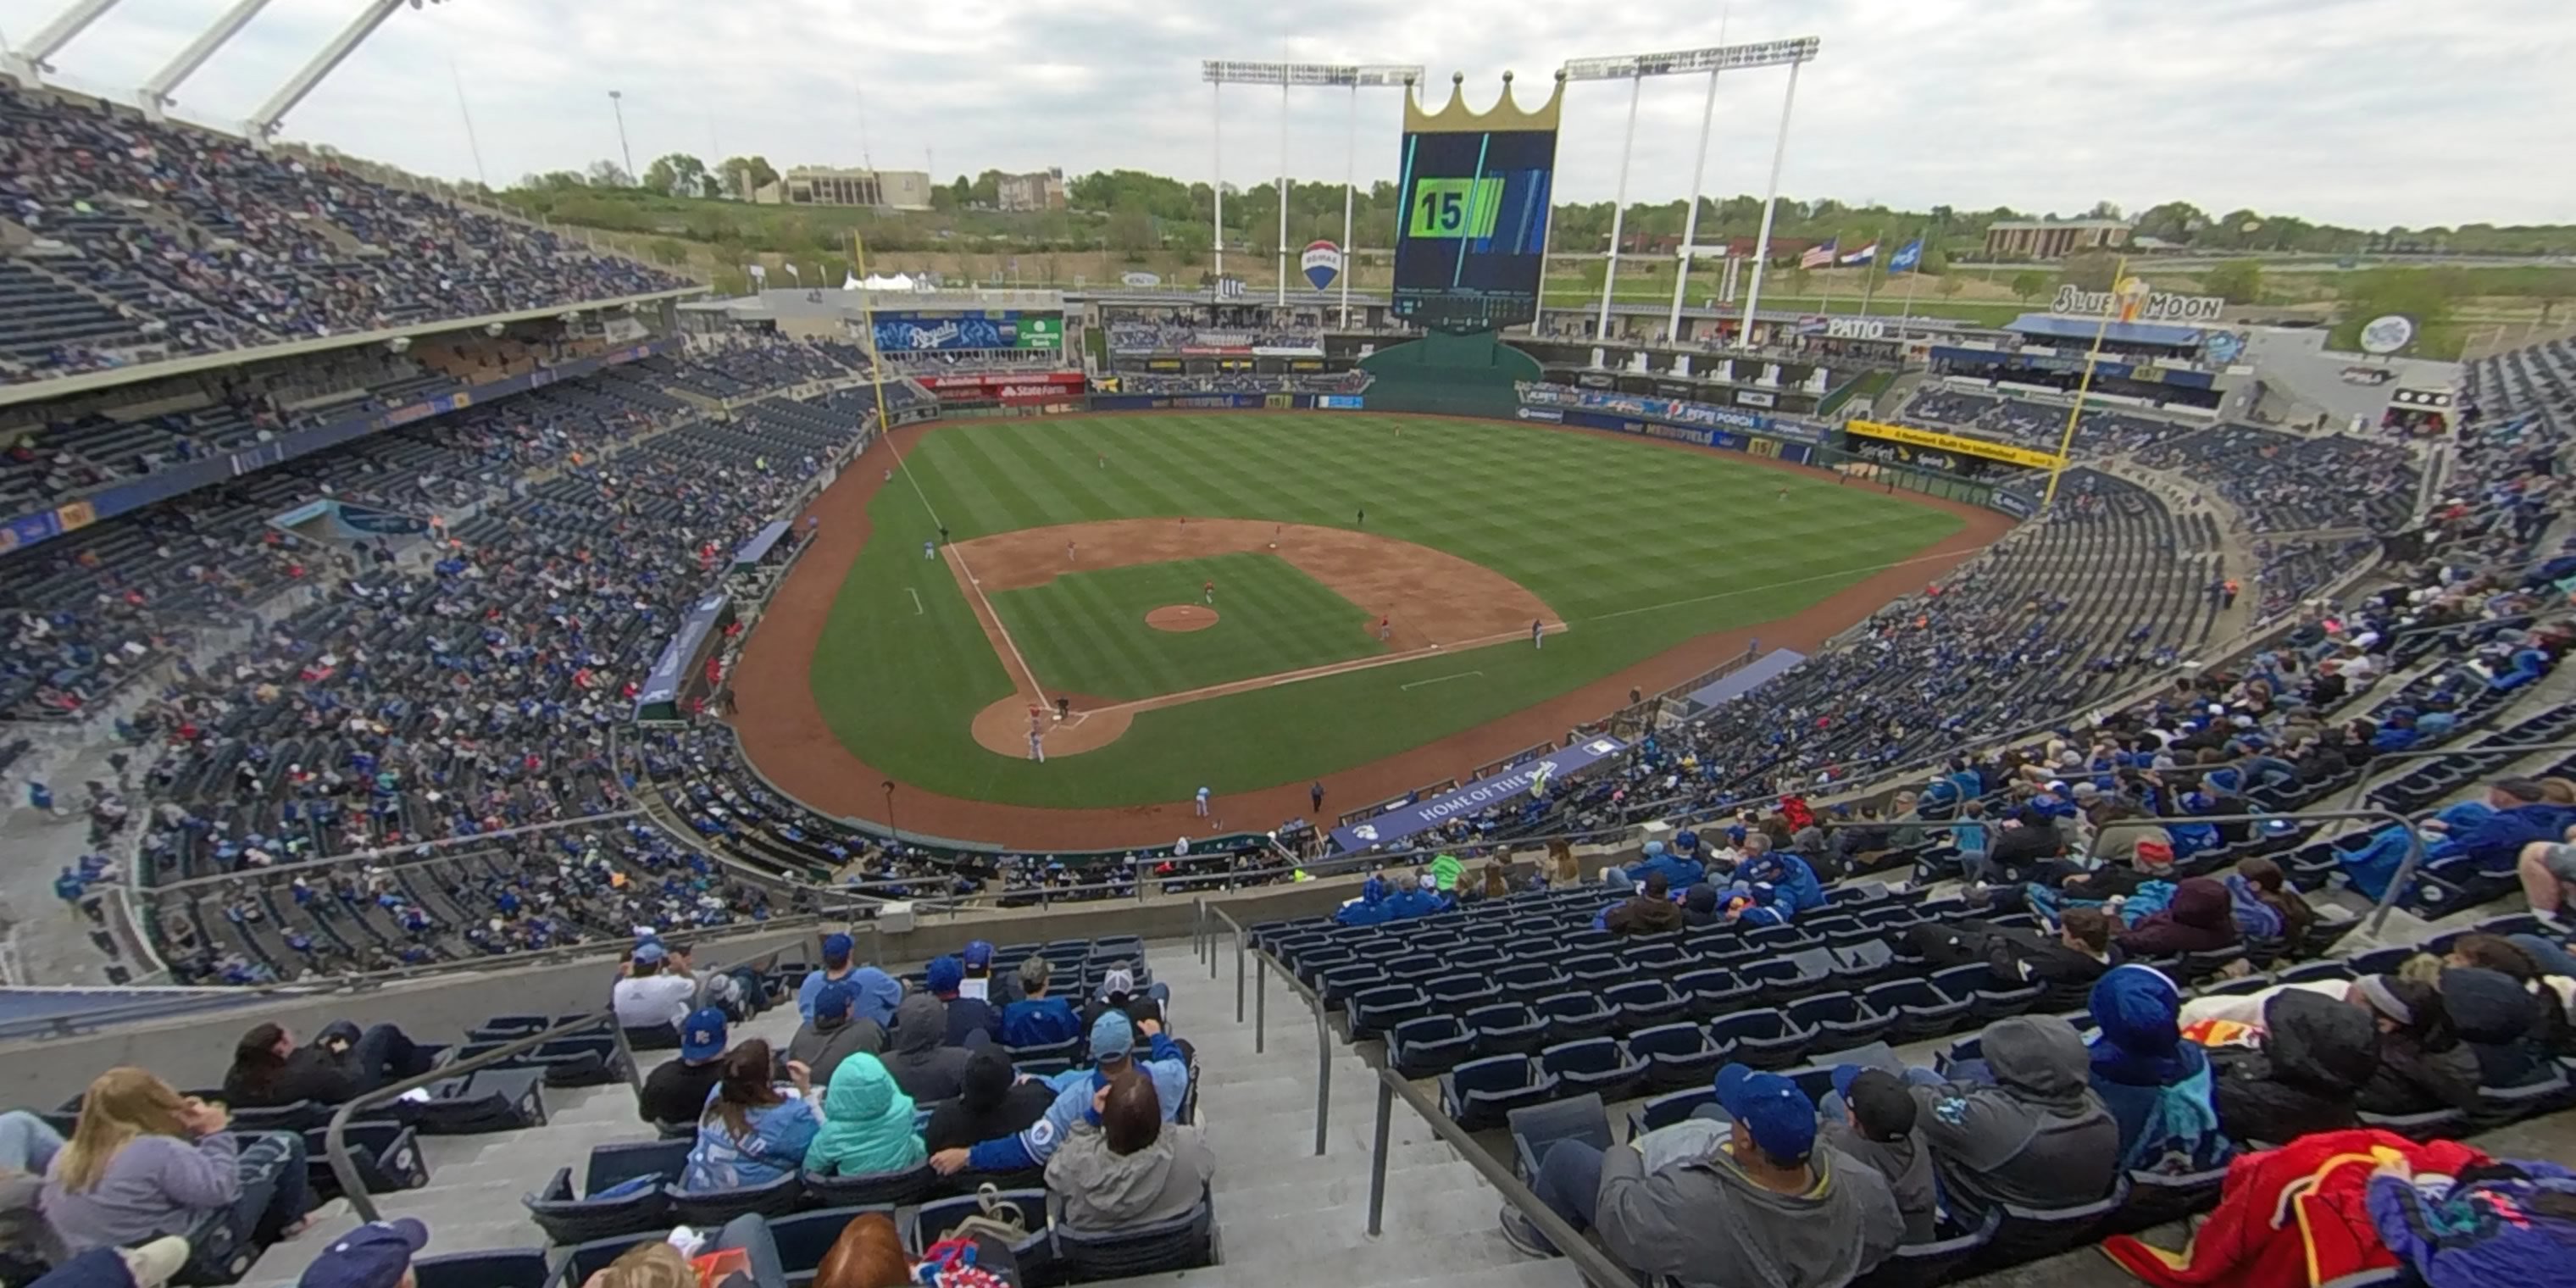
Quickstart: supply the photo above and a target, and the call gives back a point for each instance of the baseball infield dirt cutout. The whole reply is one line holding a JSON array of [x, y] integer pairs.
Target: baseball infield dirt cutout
[[1419, 601], [1181, 618]]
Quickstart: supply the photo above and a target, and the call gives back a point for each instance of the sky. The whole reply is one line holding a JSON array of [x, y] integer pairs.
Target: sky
[[2357, 112]]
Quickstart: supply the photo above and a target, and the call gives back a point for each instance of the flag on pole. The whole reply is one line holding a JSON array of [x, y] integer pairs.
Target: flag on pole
[[1906, 257], [1864, 255], [1820, 254]]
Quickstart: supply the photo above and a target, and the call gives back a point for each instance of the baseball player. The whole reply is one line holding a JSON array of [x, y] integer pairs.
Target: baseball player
[[1385, 629], [1207, 593], [1068, 552], [930, 550], [1538, 633], [1201, 800]]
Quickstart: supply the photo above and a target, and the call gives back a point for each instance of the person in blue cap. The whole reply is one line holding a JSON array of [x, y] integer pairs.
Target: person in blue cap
[[375, 1255], [1113, 1042], [879, 993], [1754, 1200], [676, 1092], [971, 1020], [1679, 873], [978, 956], [148, 1265]]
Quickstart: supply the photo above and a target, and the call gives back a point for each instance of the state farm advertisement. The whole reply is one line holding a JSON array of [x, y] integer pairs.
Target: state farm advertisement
[[1008, 386]]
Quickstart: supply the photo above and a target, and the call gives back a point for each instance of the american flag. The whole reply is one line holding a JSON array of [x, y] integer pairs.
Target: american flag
[[1821, 254]]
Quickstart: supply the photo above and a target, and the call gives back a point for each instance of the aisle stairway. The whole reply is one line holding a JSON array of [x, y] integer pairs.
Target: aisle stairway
[[1285, 1216]]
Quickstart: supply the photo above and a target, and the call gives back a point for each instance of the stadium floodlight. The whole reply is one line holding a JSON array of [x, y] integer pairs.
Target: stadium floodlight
[[1221, 72], [1634, 69]]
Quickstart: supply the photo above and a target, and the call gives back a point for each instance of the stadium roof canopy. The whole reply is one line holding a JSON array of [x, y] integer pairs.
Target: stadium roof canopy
[[2053, 327]]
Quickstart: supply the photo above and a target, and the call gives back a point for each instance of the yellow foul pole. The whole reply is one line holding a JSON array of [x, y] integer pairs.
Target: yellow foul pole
[[2120, 289], [868, 323]]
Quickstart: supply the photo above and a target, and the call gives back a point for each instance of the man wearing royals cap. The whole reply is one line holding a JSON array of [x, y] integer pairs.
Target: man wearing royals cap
[[1752, 1200], [375, 1255]]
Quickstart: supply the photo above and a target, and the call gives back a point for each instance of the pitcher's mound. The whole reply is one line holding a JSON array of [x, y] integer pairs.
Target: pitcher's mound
[[1181, 617]]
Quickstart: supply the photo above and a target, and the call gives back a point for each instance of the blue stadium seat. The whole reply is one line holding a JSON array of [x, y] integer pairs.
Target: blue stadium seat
[[873, 1189], [1373, 1011], [1480, 1093], [1924, 1265], [1459, 994], [388, 1158], [1530, 981], [1430, 1045], [1667, 1109], [1183, 1242], [569, 1219], [715, 1207], [1534, 1129], [1717, 991], [1763, 1038], [1574, 1016], [1507, 1028], [1841, 1021], [1676, 1055], [499, 1268], [1919, 1010], [1646, 1004], [592, 1256], [2028, 1234], [1601, 1066], [1786, 979]]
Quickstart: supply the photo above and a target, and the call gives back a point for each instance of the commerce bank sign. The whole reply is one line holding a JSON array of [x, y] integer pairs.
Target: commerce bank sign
[[2159, 306]]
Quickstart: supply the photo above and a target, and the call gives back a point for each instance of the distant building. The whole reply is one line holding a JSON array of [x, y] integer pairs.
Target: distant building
[[2052, 238], [1036, 190], [808, 185]]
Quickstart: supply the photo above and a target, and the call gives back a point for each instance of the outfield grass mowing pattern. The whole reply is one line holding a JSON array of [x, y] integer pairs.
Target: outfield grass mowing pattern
[[1085, 632], [1637, 546]]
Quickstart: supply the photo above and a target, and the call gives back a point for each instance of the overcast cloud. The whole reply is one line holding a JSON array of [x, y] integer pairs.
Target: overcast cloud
[[2364, 112]]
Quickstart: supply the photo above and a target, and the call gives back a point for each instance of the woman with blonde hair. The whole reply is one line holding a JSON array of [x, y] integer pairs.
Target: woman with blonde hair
[[742, 1255], [145, 1162]]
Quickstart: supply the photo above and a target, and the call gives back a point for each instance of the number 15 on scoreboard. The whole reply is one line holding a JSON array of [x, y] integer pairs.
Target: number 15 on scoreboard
[[1445, 208]]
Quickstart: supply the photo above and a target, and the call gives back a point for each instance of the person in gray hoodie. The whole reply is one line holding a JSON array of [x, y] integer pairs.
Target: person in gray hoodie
[[1759, 1203], [1123, 1166], [822, 1042], [921, 1063], [2038, 1137]]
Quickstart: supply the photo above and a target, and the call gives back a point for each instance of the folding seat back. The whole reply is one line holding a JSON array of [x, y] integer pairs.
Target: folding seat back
[[1183, 1242], [624, 1190], [1530, 981], [710, 1208], [1414, 968], [1339, 982], [1575, 1015], [1462, 992], [499, 1268], [1669, 1108], [2027, 1234], [2438, 1124], [1478, 959], [486, 1101], [872, 1189], [1660, 960], [388, 1157], [1538, 1127], [1430, 1045], [1598, 972], [1863, 962], [1783, 980], [1916, 1010], [1506, 1028], [1841, 1021], [1715, 991], [651, 1037], [1480, 1093], [1676, 1055], [1646, 1003], [1601, 1066], [1373, 1011], [1762, 1037], [1925, 1265]]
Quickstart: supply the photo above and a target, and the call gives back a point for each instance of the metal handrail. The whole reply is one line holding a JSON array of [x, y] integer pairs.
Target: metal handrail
[[1261, 1016], [335, 1145], [1596, 1267]]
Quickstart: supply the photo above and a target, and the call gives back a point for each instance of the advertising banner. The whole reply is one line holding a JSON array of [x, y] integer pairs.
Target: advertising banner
[[1619, 404], [961, 332], [1005, 384], [1476, 797], [1338, 402], [1954, 443], [1322, 263], [1041, 333]]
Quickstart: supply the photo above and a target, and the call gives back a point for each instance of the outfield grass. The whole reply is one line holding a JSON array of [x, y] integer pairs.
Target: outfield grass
[[1638, 547], [1085, 632]]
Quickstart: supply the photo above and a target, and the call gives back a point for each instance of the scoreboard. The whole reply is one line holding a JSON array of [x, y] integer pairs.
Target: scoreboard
[[1471, 235]]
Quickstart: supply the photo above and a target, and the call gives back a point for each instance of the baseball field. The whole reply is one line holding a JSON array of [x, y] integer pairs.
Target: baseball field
[[1250, 601]]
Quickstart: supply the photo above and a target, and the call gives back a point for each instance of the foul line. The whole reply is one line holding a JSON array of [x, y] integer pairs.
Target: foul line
[[1438, 678], [992, 622], [916, 600]]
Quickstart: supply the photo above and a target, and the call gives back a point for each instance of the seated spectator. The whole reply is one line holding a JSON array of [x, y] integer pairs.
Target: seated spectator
[[270, 1070], [1651, 911], [922, 1062], [971, 1020], [753, 1131], [2506, 1222], [2492, 990], [2492, 833], [1113, 1044], [1876, 1126], [869, 1254], [2157, 1086], [879, 993], [1754, 1203], [2200, 919], [145, 1162], [648, 996], [1699, 907], [992, 1103], [867, 1124], [2261, 881], [2315, 1057], [2024, 846], [1679, 873], [2423, 1065], [979, 982], [676, 1092], [1792, 879], [375, 1255], [2037, 1137], [2075, 956], [833, 1035], [1373, 907], [1037, 1019], [2131, 850], [1117, 993], [1131, 1167], [2547, 869], [741, 1255], [1419, 898]]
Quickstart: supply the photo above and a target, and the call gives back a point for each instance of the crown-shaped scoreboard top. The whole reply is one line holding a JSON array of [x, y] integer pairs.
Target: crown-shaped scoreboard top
[[1455, 117]]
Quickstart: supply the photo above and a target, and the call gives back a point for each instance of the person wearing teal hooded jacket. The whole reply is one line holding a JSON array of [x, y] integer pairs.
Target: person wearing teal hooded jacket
[[867, 1124]]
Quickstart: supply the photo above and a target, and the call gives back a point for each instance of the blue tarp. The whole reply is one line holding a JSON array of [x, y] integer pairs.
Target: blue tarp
[[671, 670], [2052, 327], [1764, 669], [754, 550]]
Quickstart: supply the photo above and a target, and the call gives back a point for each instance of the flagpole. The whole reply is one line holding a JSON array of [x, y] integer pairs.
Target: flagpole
[[2084, 384], [1869, 274], [1914, 270]]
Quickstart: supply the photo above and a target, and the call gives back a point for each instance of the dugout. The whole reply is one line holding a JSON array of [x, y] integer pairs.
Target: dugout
[[679, 675]]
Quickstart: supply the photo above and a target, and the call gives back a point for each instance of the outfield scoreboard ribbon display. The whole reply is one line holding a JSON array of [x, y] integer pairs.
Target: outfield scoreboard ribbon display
[[1954, 444], [1476, 797], [1471, 232]]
